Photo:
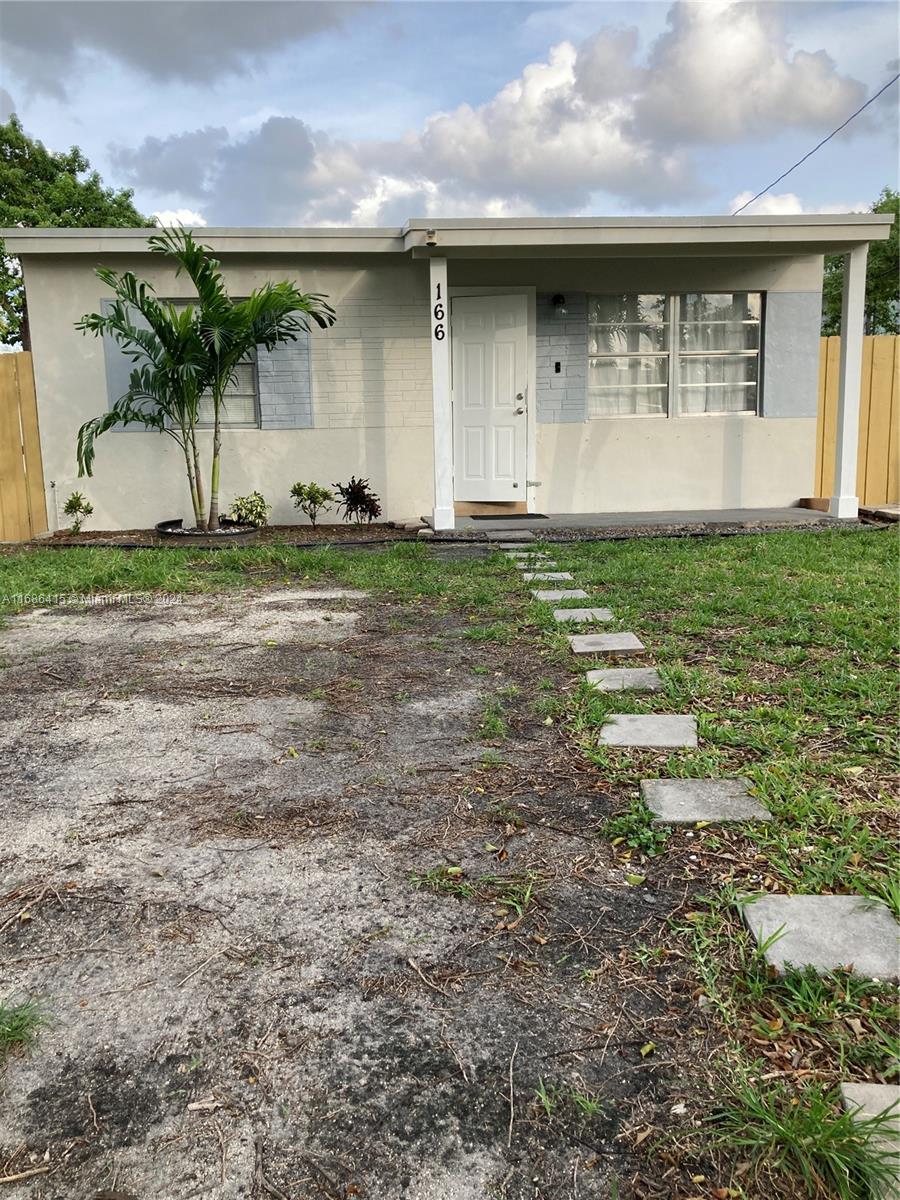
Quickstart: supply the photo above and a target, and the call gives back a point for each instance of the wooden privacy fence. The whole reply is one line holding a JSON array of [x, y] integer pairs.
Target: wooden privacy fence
[[23, 510], [878, 459]]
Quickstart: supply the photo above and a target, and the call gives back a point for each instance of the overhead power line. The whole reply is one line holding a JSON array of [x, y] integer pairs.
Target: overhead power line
[[810, 153]]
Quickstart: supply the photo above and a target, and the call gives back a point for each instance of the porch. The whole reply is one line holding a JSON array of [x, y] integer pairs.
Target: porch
[[584, 367], [661, 522]]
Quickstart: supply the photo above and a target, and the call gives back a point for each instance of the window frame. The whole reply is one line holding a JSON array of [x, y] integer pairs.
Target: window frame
[[663, 354], [673, 399], [224, 423]]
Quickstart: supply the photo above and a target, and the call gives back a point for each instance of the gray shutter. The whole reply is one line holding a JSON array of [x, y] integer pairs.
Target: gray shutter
[[285, 385], [790, 354], [118, 365]]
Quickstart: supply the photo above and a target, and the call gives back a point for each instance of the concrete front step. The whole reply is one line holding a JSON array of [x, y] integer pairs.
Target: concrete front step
[[826, 932], [651, 730], [606, 643], [687, 801], [625, 679]]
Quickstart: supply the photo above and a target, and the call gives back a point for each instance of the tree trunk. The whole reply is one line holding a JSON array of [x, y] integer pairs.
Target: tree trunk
[[192, 484], [214, 473], [198, 481], [25, 327]]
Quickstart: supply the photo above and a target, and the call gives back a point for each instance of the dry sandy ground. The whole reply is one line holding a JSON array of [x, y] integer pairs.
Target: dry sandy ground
[[214, 815]]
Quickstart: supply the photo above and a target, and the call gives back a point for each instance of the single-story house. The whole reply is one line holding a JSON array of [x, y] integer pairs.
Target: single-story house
[[572, 365]]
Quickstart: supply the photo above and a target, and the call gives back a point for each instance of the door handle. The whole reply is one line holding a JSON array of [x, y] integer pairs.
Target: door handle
[[520, 411]]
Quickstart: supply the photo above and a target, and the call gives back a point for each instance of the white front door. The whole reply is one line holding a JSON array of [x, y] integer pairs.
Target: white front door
[[489, 340]]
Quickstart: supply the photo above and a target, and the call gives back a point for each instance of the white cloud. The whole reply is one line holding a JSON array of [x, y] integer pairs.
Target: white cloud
[[725, 71], [583, 122], [788, 203], [179, 216]]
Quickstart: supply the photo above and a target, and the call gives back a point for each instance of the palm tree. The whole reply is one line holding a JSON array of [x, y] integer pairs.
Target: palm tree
[[188, 354], [231, 329], [169, 376]]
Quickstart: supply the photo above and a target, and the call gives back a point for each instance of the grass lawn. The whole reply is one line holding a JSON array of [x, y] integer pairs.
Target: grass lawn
[[784, 646]]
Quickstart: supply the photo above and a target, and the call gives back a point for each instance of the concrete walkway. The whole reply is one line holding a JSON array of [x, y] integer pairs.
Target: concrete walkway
[[665, 519]]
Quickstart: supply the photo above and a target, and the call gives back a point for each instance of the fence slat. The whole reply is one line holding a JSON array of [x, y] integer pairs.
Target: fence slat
[[877, 466], [14, 525], [876, 481], [820, 421], [893, 488], [865, 418], [31, 444]]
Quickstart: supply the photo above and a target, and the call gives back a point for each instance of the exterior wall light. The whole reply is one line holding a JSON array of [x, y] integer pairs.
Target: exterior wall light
[[559, 306], [430, 237]]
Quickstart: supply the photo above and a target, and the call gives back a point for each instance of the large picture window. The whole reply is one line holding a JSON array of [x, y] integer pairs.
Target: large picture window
[[657, 355], [718, 352], [628, 355]]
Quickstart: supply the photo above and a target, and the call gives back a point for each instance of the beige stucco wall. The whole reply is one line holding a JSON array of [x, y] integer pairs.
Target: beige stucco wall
[[642, 464], [372, 395], [371, 392]]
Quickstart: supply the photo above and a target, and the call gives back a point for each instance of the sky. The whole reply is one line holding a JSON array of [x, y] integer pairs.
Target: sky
[[360, 112]]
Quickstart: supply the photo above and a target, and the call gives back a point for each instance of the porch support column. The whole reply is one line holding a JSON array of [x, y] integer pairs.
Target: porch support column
[[844, 502], [443, 514]]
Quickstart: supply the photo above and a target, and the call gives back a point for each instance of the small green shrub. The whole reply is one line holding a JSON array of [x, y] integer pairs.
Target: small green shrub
[[635, 828], [311, 498], [250, 510], [358, 501], [79, 509]]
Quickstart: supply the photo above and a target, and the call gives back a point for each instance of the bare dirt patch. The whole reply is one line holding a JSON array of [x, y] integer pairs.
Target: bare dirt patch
[[299, 931]]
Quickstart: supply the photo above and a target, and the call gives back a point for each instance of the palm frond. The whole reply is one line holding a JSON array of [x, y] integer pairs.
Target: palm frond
[[124, 412]]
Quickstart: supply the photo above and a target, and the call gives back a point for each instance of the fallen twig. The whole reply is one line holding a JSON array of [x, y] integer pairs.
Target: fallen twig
[[261, 1180], [512, 1106], [27, 1175]]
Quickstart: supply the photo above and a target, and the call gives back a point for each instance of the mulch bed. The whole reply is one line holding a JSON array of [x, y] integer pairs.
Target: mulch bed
[[292, 535]]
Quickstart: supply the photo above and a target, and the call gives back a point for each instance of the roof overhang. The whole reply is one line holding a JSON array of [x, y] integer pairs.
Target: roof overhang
[[518, 237]]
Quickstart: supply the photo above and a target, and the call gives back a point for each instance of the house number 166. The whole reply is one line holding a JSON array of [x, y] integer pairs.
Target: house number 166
[[438, 313]]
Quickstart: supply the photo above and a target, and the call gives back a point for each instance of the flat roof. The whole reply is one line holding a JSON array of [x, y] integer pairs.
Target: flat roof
[[500, 237]]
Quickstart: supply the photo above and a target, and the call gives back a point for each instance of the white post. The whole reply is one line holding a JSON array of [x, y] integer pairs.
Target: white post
[[443, 514], [844, 501]]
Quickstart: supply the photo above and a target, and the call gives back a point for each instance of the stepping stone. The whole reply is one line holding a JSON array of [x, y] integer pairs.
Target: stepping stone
[[320, 594], [871, 1100], [547, 575], [582, 614], [549, 596], [827, 932], [687, 801], [509, 537], [662, 730], [537, 562], [606, 643], [625, 679], [524, 554]]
